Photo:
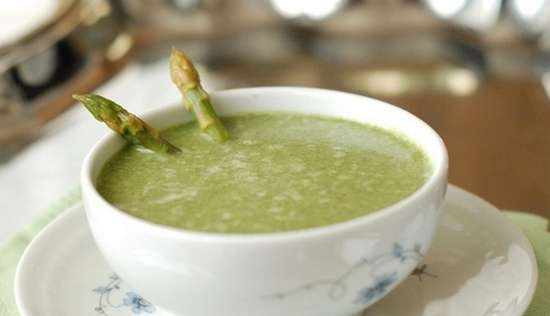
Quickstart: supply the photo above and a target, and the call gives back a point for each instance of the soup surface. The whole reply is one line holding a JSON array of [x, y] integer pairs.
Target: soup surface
[[279, 172]]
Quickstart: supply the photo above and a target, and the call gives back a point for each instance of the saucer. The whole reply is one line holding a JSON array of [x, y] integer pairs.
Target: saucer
[[479, 264]]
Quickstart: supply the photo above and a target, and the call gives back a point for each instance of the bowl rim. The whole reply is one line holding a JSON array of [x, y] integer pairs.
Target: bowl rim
[[438, 175]]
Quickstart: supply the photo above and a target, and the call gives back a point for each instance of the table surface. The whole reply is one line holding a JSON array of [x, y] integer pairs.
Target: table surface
[[498, 141]]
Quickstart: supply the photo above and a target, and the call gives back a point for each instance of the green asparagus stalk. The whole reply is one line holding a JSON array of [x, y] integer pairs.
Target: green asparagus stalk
[[195, 99], [129, 126]]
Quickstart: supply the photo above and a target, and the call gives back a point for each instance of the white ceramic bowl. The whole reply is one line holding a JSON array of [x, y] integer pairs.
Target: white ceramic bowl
[[335, 270]]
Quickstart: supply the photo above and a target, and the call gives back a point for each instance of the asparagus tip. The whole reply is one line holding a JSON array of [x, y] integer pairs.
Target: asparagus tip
[[90, 103], [79, 97], [182, 71], [131, 127]]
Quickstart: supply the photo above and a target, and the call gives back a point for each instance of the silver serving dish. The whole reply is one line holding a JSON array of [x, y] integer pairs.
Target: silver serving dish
[[76, 48]]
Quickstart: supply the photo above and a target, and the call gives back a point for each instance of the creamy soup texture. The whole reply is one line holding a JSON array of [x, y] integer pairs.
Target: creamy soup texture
[[278, 172]]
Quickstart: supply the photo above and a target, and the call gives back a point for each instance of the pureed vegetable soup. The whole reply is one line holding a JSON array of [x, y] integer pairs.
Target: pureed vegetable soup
[[278, 172]]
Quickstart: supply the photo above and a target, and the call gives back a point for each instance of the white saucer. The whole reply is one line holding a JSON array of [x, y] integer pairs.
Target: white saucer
[[479, 265]]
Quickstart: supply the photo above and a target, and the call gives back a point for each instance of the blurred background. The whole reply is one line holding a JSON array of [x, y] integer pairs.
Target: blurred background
[[477, 71]]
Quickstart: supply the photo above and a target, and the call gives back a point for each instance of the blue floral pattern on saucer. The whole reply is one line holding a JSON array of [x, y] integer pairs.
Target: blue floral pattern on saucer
[[138, 303], [132, 300]]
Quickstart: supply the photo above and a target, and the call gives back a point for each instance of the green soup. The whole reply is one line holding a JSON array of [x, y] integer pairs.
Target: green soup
[[279, 172]]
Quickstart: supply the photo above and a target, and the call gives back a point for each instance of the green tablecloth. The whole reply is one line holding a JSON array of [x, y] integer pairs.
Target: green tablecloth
[[534, 227]]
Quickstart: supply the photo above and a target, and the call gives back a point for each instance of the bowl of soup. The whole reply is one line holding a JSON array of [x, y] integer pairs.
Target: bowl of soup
[[319, 204]]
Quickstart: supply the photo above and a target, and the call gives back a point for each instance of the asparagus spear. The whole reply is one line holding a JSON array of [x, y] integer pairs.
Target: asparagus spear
[[131, 127], [186, 78]]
